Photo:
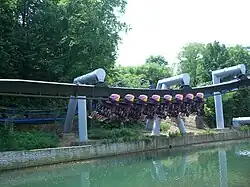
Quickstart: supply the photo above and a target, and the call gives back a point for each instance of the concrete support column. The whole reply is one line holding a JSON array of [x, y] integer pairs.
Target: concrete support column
[[218, 105], [181, 125], [82, 119], [70, 114], [156, 127]]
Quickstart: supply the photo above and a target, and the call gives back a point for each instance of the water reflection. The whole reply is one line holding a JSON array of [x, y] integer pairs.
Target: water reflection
[[206, 167], [223, 167]]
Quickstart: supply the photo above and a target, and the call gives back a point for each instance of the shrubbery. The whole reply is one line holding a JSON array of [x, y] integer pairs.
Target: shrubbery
[[12, 140], [235, 104], [244, 128], [117, 125], [116, 132], [174, 134], [165, 126]]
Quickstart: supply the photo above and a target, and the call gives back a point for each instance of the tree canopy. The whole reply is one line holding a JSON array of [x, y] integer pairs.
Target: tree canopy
[[140, 76], [157, 59], [58, 40]]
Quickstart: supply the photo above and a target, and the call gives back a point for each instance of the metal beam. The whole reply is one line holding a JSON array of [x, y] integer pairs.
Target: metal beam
[[40, 88], [91, 78], [183, 79], [240, 120]]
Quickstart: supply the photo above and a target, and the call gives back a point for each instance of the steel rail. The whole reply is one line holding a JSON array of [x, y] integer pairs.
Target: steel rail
[[19, 87]]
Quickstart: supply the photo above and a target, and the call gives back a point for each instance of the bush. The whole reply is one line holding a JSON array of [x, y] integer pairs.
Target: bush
[[116, 125], [12, 140], [207, 132], [174, 134], [235, 104], [209, 117], [117, 135], [165, 126], [110, 134], [244, 128]]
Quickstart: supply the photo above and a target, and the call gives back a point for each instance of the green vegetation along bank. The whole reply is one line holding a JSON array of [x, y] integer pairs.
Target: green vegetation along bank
[[38, 157]]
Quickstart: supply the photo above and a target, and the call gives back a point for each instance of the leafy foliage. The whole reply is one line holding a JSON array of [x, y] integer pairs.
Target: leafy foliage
[[174, 134], [157, 59], [244, 128], [140, 76], [117, 135], [191, 61], [58, 40], [12, 140], [165, 126]]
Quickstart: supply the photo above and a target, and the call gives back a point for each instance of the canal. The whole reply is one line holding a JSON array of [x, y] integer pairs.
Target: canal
[[221, 165]]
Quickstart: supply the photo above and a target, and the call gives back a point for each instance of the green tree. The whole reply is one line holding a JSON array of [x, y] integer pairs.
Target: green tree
[[58, 40], [239, 55], [215, 56], [7, 49], [191, 60], [134, 76], [94, 34], [157, 59]]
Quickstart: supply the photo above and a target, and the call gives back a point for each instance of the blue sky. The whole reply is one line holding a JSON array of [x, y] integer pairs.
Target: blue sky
[[163, 27]]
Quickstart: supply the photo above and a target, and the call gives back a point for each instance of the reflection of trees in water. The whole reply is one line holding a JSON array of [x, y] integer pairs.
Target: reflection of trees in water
[[133, 171], [200, 169], [207, 161], [238, 168], [159, 171], [208, 166]]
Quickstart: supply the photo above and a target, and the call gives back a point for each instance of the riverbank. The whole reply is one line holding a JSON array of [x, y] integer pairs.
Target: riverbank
[[22, 159]]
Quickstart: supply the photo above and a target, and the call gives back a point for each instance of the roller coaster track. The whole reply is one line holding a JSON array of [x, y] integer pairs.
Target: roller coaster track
[[30, 88]]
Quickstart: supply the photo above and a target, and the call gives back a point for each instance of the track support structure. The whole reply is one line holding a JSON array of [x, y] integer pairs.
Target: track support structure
[[217, 75], [183, 79], [97, 76]]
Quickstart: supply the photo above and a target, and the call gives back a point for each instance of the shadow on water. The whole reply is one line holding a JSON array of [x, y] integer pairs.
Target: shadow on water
[[221, 164]]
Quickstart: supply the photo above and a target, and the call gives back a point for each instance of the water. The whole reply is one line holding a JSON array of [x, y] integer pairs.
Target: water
[[224, 165]]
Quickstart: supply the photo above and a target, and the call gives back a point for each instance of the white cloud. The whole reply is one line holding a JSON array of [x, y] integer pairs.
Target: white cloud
[[163, 27]]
